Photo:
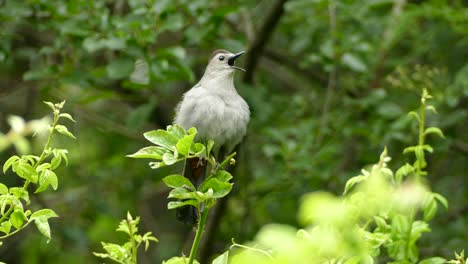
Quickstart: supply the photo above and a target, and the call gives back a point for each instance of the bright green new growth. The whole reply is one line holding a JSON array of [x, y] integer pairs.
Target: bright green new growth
[[36, 170], [173, 145], [128, 252], [381, 214]]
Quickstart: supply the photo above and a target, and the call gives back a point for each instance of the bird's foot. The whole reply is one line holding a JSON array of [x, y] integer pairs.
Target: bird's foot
[[201, 161]]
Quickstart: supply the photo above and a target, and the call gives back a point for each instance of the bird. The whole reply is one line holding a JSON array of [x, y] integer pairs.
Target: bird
[[218, 112]]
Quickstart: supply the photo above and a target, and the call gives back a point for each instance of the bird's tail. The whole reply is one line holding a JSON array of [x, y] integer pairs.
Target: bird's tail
[[195, 170]]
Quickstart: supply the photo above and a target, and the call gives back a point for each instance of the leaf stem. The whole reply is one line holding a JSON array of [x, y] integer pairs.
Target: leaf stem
[[16, 231], [226, 161], [132, 241], [41, 159], [200, 229], [422, 121], [8, 212], [47, 145], [234, 244]]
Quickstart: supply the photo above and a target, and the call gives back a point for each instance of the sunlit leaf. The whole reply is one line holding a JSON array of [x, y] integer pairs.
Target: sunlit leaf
[[17, 218], [64, 131], [434, 130], [184, 144], [151, 152], [176, 180], [162, 138], [222, 259], [177, 204], [9, 162]]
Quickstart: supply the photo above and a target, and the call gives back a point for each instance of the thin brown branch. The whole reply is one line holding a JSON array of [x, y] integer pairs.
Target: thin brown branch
[[315, 74], [388, 35], [263, 35], [109, 124]]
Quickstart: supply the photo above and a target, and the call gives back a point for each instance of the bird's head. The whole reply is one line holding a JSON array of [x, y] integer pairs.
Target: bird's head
[[222, 62]]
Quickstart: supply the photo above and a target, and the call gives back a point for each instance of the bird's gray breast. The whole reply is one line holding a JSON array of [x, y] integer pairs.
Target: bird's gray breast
[[217, 116]]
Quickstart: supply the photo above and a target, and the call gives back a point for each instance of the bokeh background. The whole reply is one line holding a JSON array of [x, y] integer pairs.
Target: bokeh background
[[329, 84]]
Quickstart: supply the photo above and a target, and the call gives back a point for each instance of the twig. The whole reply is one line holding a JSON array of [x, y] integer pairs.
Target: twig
[[314, 74], [109, 124], [256, 48], [332, 76], [263, 252]]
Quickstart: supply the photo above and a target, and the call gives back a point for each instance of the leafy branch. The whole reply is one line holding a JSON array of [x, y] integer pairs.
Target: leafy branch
[[128, 252], [173, 145], [33, 169]]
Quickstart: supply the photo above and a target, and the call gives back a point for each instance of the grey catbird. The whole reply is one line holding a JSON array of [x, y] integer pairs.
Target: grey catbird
[[215, 108]]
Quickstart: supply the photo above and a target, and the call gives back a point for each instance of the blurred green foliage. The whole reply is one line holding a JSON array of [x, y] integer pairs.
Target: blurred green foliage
[[332, 87]]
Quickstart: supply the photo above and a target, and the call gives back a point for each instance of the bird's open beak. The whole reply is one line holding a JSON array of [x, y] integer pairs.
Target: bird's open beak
[[232, 59]]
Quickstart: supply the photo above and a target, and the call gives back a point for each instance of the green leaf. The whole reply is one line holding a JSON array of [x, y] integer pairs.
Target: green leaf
[[403, 171], [169, 159], [51, 105], [42, 225], [176, 180], [17, 218], [177, 204], [182, 194], [222, 259], [115, 251], [5, 227], [353, 181], [220, 189], [64, 131], [409, 149], [62, 153], [41, 220], [43, 166], [430, 209], [353, 62], [400, 224], [434, 260], [184, 144], [47, 178], [20, 193], [43, 213], [147, 238], [68, 116], [223, 176], [381, 223], [151, 152], [3, 189], [120, 68], [198, 149], [417, 228], [441, 199], [9, 200], [434, 130], [55, 162], [176, 131], [192, 130], [25, 171], [414, 115], [428, 148], [353, 260], [9, 162], [162, 138], [178, 260], [209, 146]]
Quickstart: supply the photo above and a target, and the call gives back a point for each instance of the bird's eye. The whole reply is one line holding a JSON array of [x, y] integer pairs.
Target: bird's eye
[[221, 58]]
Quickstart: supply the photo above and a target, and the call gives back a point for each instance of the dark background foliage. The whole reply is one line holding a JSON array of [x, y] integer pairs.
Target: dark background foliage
[[329, 84]]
